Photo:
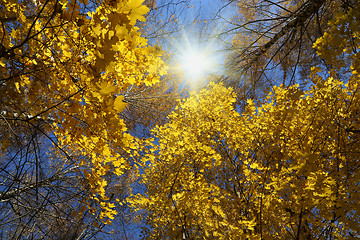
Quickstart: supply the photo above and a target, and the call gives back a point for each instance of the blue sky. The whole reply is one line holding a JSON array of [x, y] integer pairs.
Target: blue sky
[[196, 29]]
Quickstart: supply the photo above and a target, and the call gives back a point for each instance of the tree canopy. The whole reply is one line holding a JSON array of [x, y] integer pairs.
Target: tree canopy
[[287, 167], [65, 68], [266, 149]]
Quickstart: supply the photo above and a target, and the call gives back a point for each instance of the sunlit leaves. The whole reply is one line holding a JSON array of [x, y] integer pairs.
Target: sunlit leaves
[[341, 40], [72, 63], [286, 167]]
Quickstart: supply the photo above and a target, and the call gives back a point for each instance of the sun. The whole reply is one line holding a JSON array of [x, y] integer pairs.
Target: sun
[[197, 59], [198, 56], [196, 63]]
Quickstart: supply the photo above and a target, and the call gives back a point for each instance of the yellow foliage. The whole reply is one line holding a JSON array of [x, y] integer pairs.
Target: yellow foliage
[[72, 66], [285, 168]]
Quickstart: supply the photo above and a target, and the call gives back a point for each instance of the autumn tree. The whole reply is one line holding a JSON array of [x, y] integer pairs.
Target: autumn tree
[[273, 42], [285, 168], [66, 70]]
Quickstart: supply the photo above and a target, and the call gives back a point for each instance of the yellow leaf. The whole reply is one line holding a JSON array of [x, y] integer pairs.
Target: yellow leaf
[[106, 88], [119, 105], [97, 29], [137, 11]]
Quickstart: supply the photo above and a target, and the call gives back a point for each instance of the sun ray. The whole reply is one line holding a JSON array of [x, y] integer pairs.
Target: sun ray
[[197, 59]]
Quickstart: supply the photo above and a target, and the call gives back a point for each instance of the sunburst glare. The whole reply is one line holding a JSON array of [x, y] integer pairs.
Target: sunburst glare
[[196, 63], [197, 59]]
